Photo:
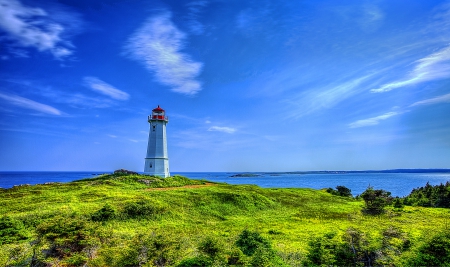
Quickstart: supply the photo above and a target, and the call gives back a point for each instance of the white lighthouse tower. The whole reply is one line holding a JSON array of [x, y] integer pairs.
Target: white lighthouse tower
[[157, 160]]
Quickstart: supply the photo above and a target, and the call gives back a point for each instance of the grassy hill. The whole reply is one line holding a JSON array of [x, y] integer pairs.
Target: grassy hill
[[138, 220]]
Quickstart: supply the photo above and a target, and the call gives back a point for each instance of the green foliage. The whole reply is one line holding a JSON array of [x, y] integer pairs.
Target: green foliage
[[259, 248], [107, 212], [340, 191], [321, 250], [430, 196], [398, 203], [266, 257], [356, 248], [141, 208], [66, 235], [237, 258], [211, 247], [375, 200], [11, 230], [249, 242], [434, 252], [150, 221], [158, 249], [199, 261]]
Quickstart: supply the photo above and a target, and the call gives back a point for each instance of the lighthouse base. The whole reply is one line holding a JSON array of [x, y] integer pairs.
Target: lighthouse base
[[157, 167]]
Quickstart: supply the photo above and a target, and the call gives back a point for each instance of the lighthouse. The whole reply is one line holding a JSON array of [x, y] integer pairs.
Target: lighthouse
[[157, 160]]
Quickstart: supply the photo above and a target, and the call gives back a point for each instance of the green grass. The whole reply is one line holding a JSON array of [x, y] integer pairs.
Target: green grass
[[289, 218]]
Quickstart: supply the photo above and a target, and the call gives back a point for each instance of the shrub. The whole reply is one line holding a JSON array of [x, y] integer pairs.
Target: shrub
[[237, 257], [266, 257], [340, 191], [249, 242], [211, 247], [141, 209], [398, 203], [104, 214], [320, 251], [356, 250], [11, 230], [199, 261], [157, 249], [435, 252], [375, 200], [66, 235]]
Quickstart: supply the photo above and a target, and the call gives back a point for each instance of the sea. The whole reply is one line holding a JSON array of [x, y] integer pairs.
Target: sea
[[398, 182]]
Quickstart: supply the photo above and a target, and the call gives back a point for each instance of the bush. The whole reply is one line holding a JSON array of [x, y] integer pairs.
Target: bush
[[375, 200], [66, 235], [157, 249], [398, 203], [141, 209], [253, 244], [435, 252], [340, 191], [199, 261], [320, 251], [249, 242], [11, 230], [237, 257], [104, 214], [211, 247]]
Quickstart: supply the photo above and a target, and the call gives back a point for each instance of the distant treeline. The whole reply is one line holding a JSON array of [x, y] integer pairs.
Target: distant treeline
[[373, 171], [437, 196]]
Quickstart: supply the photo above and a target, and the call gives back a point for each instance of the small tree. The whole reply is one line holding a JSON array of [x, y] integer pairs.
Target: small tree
[[398, 203], [340, 191], [344, 191], [375, 200]]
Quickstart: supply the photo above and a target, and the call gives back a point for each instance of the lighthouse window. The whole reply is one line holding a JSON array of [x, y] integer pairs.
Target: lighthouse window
[[151, 166], [154, 127]]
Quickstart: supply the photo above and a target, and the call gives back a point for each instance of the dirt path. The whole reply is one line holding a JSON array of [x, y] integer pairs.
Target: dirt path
[[181, 187]]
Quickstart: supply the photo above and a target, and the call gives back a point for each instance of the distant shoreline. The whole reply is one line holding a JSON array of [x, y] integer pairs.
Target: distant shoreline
[[372, 171], [270, 172]]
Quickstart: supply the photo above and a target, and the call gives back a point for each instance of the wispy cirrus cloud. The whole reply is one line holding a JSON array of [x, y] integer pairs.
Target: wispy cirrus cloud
[[26, 26], [221, 129], [432, 67], [431, 101], [104, 88], [29, 104], [158, 44], [319, 98], [373, 121], [192, 17]]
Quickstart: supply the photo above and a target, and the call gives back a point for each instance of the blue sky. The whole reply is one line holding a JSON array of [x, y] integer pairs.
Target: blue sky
[[247, 85]]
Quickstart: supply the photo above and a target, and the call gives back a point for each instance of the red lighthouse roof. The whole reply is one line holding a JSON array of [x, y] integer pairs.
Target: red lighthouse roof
[[158, 109]]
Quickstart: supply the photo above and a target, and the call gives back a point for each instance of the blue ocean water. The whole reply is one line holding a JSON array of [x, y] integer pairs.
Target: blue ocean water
[[399, 184]]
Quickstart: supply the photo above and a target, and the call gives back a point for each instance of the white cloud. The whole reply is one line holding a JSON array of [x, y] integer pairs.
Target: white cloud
[[320, 98], [195, 8], [373, 121], [27, 26], [221, 129], [431, 101], [433, 67], [105, 88], [157, 45], [29, 104]]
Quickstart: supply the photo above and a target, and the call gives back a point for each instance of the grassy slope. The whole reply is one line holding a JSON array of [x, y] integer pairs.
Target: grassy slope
[[288, 217]]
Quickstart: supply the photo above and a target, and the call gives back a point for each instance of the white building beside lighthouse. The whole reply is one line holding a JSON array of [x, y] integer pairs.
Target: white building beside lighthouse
[[157, 160]]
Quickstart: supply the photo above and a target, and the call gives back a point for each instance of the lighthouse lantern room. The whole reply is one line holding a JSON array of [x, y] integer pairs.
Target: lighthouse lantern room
[[157, 160]]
